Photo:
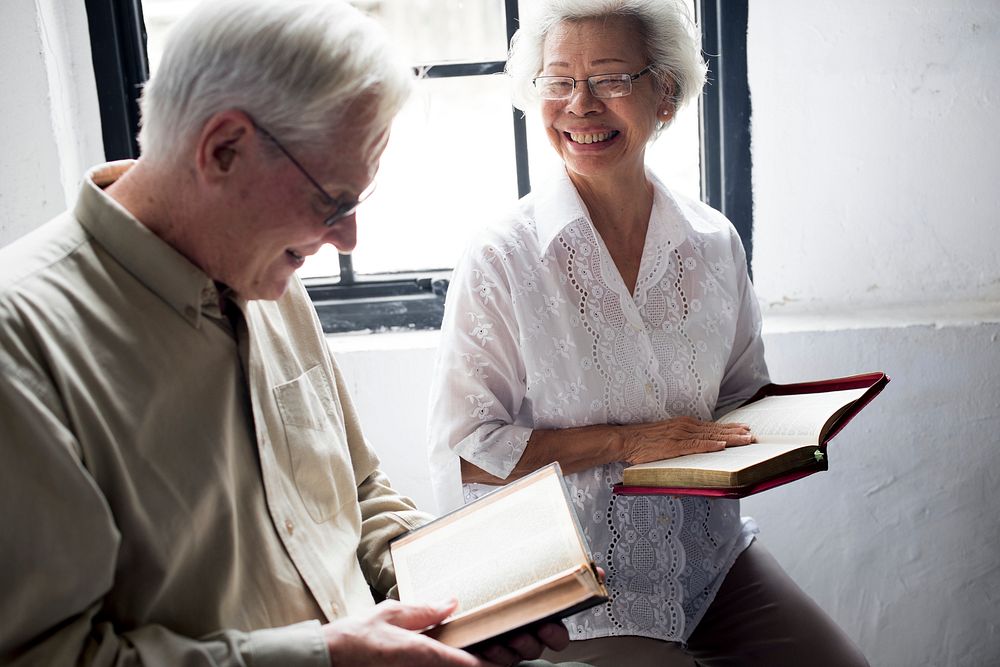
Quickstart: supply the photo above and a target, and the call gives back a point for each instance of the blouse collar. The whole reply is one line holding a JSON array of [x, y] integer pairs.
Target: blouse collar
[[557, 204]]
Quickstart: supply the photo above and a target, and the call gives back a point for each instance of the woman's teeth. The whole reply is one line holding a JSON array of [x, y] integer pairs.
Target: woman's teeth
[[592, 138]]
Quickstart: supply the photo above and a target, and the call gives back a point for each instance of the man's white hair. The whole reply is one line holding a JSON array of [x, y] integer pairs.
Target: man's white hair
[[668, 36], [295, 66]]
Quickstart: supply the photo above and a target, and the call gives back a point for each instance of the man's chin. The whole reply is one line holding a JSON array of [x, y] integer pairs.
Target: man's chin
[[271, 291]]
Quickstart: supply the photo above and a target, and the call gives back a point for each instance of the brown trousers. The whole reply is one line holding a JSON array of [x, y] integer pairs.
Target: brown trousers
[[760, 617]]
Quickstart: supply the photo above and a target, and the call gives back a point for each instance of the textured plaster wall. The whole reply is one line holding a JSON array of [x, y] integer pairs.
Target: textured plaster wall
[[900, 541], [50, 129], [875, 149], [876, 246]]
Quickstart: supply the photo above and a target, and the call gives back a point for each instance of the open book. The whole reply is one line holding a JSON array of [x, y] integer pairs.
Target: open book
[[513, 557], [792, 423]]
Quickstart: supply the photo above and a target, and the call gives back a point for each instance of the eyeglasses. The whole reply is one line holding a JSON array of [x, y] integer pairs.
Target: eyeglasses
[[341, 209], [601, 85]]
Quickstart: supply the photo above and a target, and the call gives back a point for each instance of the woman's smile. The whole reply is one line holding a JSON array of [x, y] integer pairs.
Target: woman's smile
[[591, 137]]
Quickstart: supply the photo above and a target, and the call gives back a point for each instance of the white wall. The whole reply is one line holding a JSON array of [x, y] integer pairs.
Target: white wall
[[50, 130], [875, 150], [876, 247]]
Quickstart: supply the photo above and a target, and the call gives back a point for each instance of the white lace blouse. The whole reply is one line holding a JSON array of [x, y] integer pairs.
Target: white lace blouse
[[541, 332]]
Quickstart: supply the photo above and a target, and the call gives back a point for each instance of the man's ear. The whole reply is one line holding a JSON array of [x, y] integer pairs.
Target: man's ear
[[224, 140]]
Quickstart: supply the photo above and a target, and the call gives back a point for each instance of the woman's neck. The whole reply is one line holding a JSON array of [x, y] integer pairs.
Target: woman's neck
[[619, 205], [620, 208]]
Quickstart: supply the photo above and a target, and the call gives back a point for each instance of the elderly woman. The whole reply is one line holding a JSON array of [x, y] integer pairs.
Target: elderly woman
[[603, 324]]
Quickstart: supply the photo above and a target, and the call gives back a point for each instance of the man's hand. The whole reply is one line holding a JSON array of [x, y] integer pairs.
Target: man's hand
[[388, 636], [524, 644]]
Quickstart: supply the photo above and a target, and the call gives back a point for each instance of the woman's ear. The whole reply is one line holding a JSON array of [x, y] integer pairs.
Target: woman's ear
[[668, 106], [665, 112]]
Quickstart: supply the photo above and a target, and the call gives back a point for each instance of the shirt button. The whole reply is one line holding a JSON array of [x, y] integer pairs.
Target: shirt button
[[649, 388], [334, 610], [289, 526], [190, 311]]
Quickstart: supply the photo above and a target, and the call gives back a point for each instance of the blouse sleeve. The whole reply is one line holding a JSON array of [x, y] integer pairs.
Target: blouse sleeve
[[746, 369], [478, 384]]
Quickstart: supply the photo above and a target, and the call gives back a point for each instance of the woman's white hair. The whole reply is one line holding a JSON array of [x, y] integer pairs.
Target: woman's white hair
[[669, 38], [295, 66]]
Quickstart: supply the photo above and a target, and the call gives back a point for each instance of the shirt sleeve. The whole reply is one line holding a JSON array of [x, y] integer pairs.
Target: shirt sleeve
[[385, 513], [746, 369], [60, 548], [479, 386]]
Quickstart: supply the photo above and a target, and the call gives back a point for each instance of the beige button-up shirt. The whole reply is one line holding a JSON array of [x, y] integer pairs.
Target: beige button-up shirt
[[178, 486]]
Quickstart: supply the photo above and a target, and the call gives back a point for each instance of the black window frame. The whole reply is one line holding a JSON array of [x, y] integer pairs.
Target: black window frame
[[415, 300]]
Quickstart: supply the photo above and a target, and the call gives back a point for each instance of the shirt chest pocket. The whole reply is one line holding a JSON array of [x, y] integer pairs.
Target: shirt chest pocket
[[316, 446]]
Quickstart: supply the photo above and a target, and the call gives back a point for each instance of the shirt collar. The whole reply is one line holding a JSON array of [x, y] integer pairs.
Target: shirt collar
[[151, 260], [557, 204], [668, 223]]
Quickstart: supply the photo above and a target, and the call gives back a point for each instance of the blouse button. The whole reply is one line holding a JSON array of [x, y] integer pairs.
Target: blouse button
[[289, 526]]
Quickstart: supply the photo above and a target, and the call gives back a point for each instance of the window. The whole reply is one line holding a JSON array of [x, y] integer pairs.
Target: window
[[458, 147]]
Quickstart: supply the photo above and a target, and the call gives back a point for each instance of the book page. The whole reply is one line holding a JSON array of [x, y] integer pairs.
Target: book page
[[499, 548], [731, 459], [798, 418]]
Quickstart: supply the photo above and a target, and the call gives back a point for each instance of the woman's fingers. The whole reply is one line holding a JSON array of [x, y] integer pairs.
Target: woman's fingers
[[683, 435], [732, 434], [697, 446]]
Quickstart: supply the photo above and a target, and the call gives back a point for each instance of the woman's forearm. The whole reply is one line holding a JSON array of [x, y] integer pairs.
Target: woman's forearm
[[585, 447], [575, 449]]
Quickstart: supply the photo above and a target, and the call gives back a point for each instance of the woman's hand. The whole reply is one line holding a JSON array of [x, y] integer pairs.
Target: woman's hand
[[641, 443]]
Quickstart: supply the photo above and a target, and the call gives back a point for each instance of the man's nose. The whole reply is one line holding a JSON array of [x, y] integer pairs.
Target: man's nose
[[343, 235]]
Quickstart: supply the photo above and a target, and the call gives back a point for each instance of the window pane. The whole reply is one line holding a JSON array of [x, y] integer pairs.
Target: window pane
[[436, 31], [675, 157], [425, 31], [159, 16], [448, 169], [449, 166]]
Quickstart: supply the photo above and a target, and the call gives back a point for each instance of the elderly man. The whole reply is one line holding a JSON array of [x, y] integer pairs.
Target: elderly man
[[184, 479]]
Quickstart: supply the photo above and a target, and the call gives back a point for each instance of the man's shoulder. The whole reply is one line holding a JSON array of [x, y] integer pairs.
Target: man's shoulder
[[29, 260]]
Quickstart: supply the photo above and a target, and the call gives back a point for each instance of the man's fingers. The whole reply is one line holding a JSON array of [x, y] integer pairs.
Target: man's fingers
[[415, 617], [500, 655], [524, 645], [555, 635]]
